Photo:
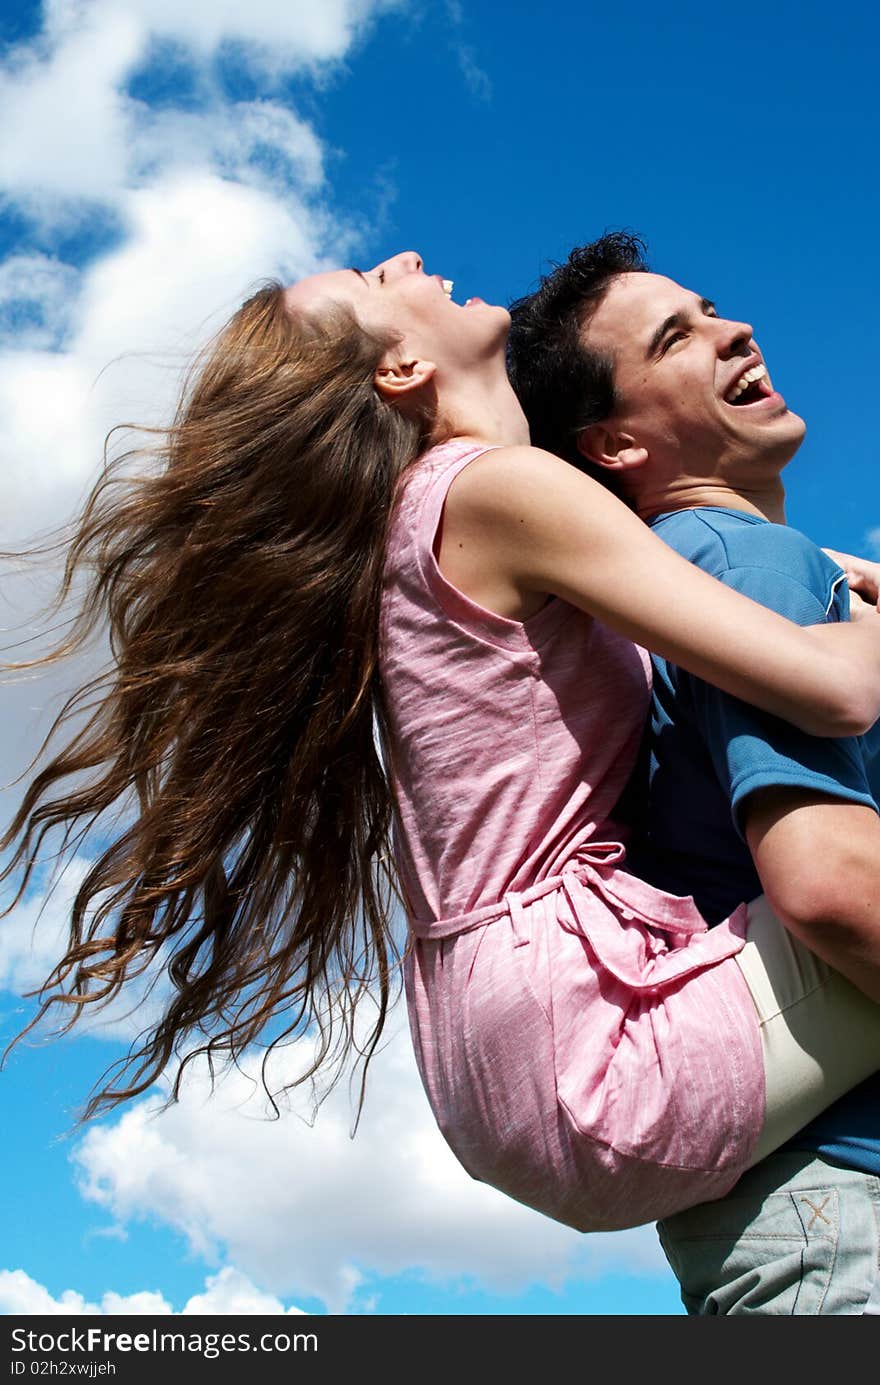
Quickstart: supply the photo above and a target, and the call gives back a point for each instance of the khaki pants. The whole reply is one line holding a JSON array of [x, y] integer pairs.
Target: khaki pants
[[821, 1036]]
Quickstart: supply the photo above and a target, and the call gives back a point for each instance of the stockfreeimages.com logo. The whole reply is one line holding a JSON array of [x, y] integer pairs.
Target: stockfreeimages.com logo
[[92, 1341]]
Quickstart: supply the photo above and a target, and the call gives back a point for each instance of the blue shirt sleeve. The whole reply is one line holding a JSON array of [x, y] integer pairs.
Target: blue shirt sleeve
[[751, 749]]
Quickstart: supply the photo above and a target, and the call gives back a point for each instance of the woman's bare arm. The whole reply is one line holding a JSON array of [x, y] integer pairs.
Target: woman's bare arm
[[541, 526]]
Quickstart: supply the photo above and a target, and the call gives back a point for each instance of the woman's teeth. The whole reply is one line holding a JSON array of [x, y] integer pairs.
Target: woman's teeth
[[447, 287], [757, 372]]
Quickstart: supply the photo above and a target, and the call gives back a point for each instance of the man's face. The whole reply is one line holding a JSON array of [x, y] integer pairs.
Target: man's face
[[692, 387]]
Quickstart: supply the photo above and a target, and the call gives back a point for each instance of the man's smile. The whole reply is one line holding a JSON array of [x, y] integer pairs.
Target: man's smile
[[756, 376], [751, 387]]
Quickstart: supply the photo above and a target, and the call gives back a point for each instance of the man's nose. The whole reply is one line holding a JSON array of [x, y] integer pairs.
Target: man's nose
[[736, 337]]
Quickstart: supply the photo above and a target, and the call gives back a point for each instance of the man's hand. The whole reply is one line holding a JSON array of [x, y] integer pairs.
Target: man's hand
[[862, 574]]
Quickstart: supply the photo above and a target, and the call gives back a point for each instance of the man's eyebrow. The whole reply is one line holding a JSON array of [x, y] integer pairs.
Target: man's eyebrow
[[674, 320], [360, 273]]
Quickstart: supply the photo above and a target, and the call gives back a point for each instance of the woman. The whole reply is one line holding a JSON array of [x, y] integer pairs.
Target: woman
[[587, 1045]]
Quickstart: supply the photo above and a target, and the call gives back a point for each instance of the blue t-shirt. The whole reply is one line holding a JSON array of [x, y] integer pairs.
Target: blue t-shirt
[[709, 751]]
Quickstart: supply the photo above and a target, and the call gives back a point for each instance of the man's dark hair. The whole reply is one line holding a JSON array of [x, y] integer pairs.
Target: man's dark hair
[[562, 385]]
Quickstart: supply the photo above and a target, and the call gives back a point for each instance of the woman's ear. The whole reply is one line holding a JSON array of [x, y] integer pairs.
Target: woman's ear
[[609, 449], [395, 380]]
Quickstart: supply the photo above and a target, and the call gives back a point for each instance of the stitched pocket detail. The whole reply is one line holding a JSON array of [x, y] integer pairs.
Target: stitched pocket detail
[[770, 1254]]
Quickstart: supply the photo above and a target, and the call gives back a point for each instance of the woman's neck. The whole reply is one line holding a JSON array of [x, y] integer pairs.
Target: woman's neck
[[485, 409]]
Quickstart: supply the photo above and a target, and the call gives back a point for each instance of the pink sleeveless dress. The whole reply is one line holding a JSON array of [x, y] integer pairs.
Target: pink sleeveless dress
[[586, 1044]]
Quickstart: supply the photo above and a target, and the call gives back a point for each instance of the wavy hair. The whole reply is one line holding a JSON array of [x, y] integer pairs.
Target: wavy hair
[[240, 722]]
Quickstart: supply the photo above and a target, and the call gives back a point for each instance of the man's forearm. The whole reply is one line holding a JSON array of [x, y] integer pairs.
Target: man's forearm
[[819, 863]]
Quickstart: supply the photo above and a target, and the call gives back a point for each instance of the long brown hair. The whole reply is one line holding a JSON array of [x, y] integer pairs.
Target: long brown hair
[[239, 575]]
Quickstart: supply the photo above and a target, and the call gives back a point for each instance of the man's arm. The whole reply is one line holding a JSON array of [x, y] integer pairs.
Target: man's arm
[[805, 807], [819, 863]]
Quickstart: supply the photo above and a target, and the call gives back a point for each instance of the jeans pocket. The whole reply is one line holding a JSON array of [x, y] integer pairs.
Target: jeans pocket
[[771, 1255]]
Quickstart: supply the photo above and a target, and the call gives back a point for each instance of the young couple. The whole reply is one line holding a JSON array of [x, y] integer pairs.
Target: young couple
[[633, 996]]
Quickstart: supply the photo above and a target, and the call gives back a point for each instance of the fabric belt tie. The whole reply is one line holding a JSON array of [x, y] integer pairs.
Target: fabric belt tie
[[596, 872]]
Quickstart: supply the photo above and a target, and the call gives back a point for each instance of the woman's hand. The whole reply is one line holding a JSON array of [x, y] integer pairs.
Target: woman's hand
[[862, 574]]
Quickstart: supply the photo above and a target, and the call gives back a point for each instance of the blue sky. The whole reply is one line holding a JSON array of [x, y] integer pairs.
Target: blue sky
[[158, 159]]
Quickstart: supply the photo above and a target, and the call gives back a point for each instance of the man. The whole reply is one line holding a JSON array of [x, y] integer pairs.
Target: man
[[639, 381]]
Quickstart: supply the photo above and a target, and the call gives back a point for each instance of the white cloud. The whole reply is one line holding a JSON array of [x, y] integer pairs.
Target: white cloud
[[254, 142], [47, 448], [304, 1210], [67, 111], [295, 34], [227, 1293], [478, 82], [232, 1292], [37, 301], [64, 95], [872, 542], [21, 1294]]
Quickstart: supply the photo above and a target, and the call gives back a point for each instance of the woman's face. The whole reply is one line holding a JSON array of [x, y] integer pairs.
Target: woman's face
[[398, 296]]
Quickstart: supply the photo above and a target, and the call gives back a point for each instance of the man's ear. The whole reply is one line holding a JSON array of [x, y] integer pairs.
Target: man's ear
[[395, 380], [614, 451]]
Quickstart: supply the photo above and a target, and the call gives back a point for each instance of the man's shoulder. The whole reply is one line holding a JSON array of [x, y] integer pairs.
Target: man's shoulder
[[726, 541]]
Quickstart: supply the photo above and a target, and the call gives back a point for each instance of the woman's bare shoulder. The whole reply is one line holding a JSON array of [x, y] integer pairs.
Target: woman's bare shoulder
[[503, 478]]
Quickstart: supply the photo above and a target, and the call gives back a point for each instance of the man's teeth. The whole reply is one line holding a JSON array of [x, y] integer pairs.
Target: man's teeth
[[757, 372], [447, 287]]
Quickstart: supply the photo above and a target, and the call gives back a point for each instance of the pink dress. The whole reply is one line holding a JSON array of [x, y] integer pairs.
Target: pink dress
[[586, 1044]]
